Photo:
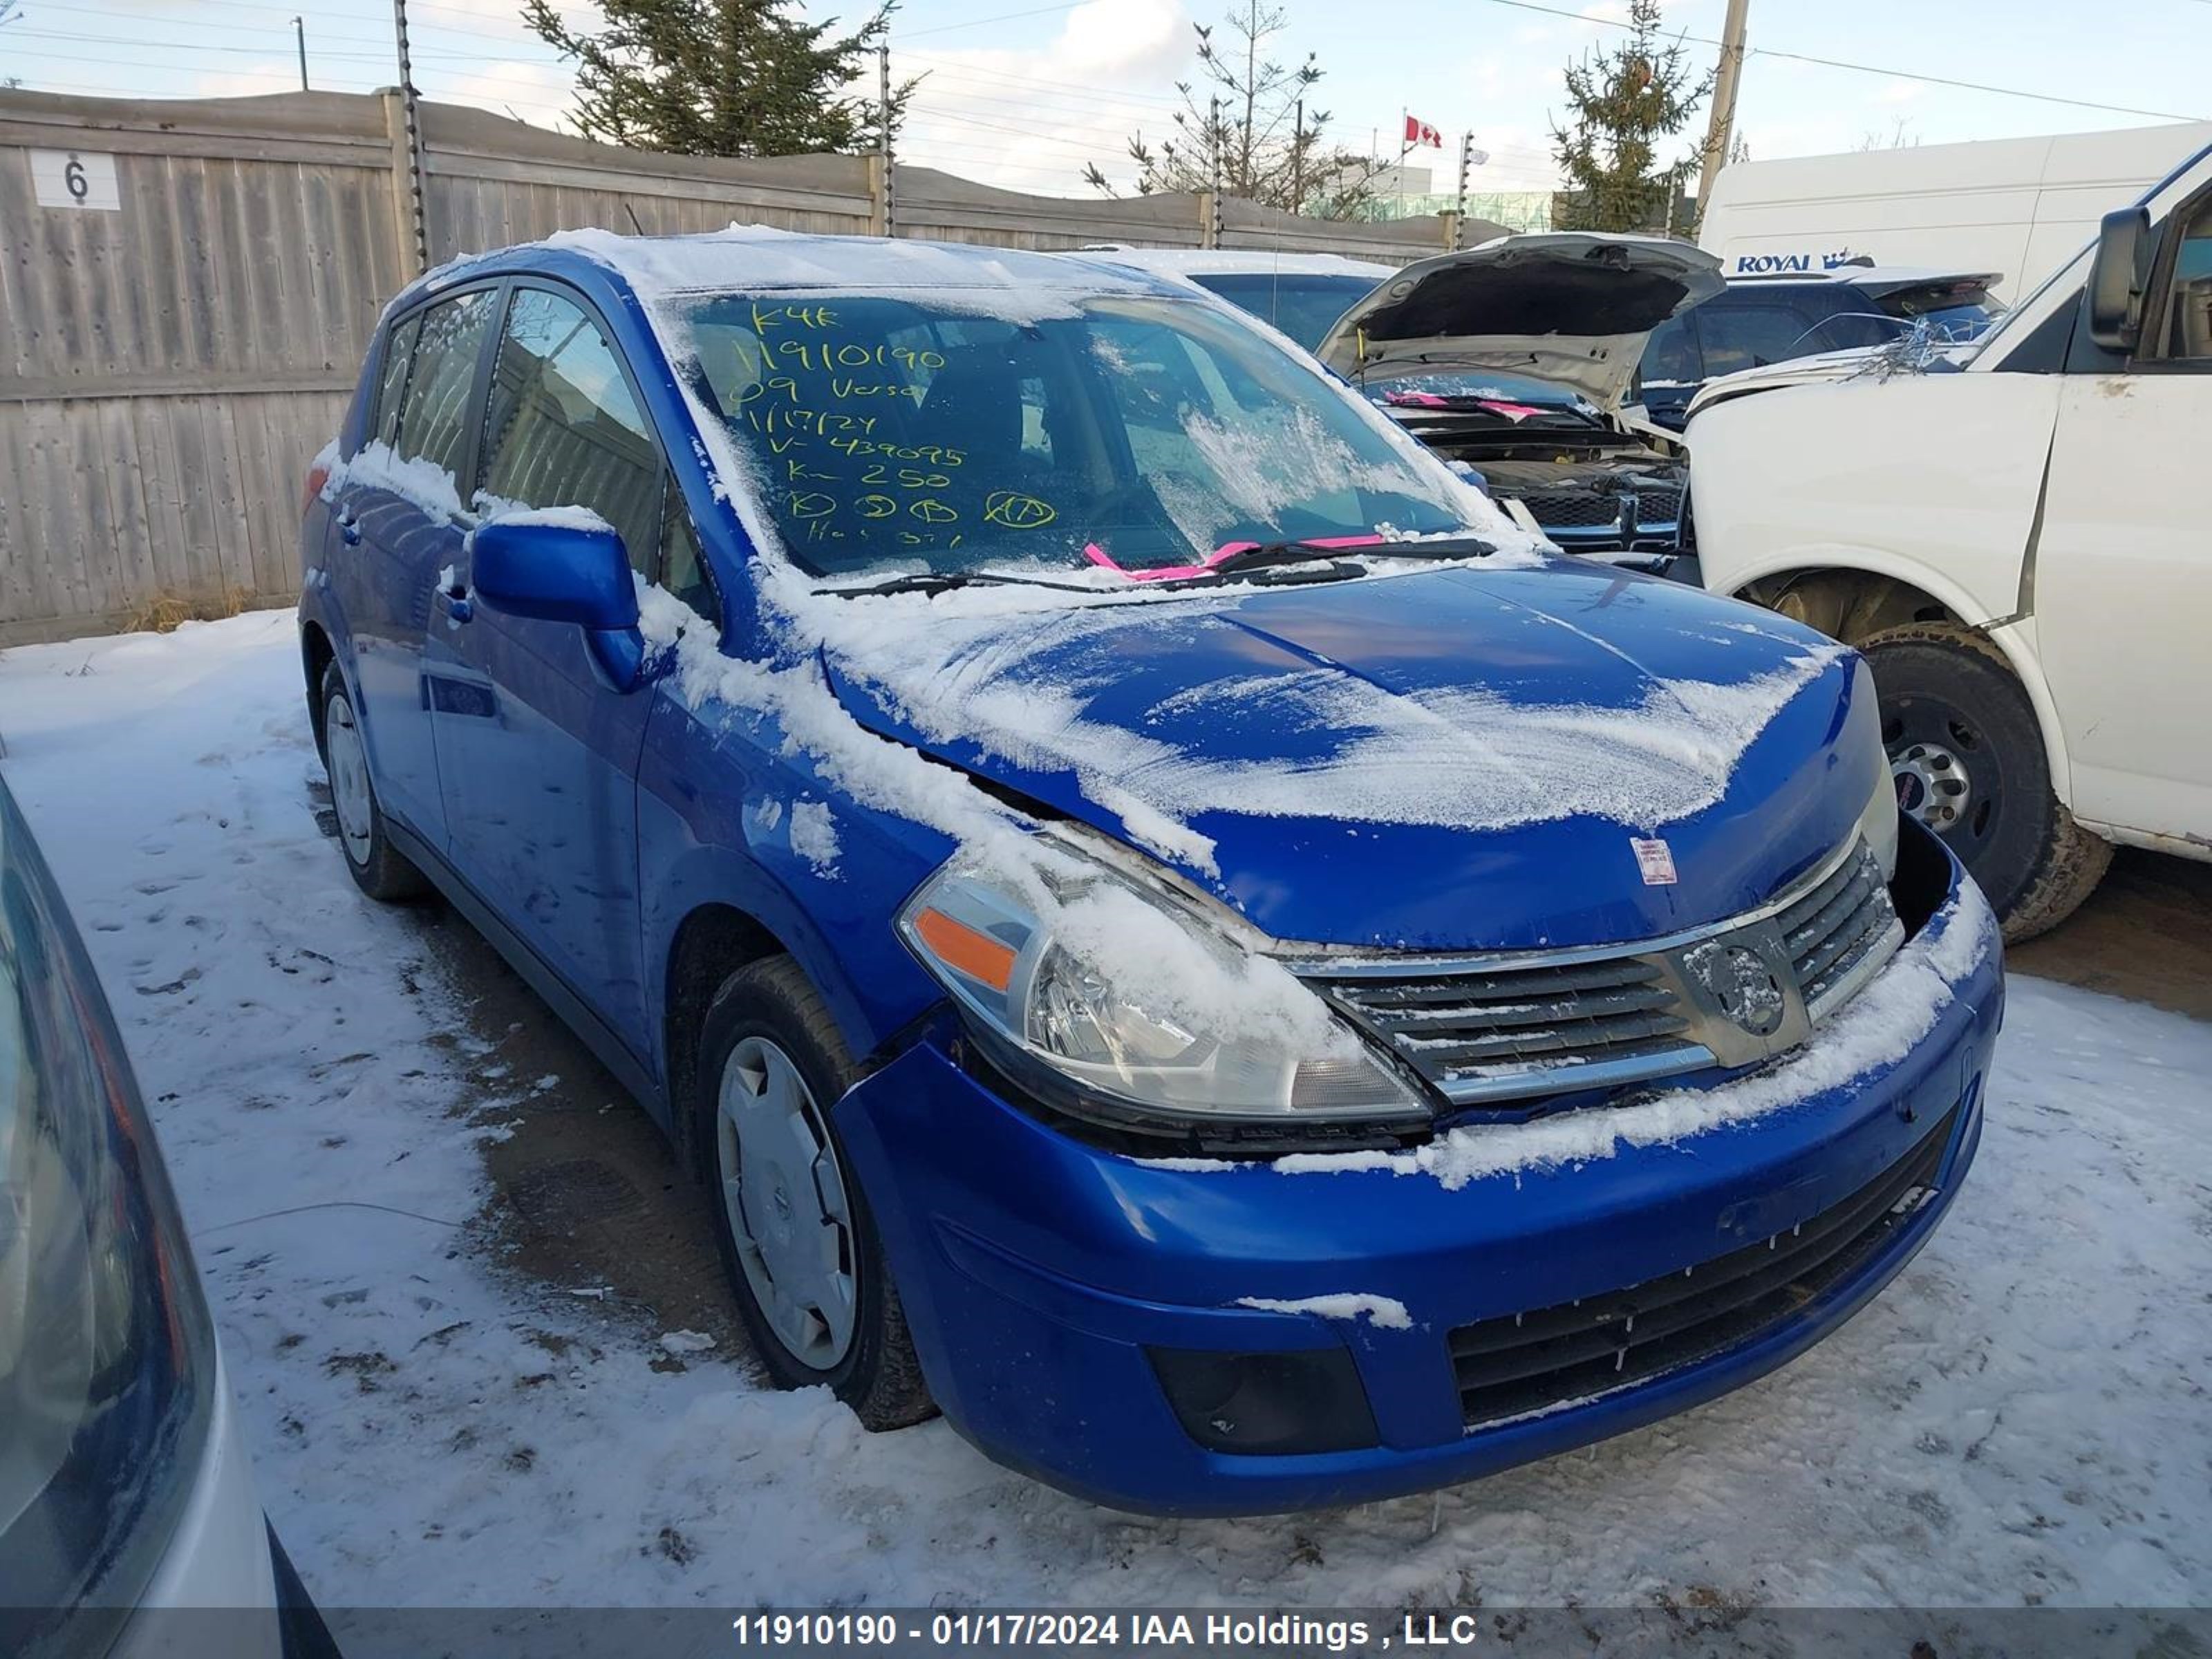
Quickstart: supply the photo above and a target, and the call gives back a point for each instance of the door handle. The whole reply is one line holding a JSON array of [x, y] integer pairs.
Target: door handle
[[455, 605], [349, 526]]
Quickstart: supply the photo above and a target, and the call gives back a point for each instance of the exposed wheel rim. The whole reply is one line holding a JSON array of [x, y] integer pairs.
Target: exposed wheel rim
[[349, 770], [784, 1194], [1948, 775]]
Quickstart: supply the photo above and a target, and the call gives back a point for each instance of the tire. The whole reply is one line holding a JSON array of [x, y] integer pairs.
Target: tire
[[377, 867], [776, 1211], [1968, 755]]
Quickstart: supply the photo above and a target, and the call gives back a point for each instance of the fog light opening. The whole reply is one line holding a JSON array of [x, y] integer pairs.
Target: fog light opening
[[1268, 1404]]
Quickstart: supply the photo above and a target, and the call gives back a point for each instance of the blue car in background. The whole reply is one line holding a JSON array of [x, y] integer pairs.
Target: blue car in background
[[1173, 933]]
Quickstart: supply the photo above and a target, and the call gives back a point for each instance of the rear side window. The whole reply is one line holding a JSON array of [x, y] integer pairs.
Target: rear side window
[[391, 385], [561, 428], [434, 418]]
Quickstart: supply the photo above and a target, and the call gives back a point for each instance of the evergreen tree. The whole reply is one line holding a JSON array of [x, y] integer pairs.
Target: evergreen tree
[[1625, 102], [719, 78], [1246, 108]]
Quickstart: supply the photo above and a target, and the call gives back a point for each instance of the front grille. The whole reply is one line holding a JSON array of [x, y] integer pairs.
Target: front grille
[[1485, 1034], [1575, 509], [1527, 1363], [1840, 933], [1492, 1030]]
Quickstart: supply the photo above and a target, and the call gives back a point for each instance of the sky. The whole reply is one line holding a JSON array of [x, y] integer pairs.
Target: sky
[[1023, 95]]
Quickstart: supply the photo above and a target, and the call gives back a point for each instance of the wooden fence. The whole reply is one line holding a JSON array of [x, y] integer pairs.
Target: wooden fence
[[186, 290]]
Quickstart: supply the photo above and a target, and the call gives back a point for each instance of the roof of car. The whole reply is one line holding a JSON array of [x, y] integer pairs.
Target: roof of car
[[755, 257], [1229, 261]]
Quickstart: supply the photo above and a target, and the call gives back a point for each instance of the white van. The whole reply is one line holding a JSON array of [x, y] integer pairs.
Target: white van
[[2015, 533], [2021, 206]]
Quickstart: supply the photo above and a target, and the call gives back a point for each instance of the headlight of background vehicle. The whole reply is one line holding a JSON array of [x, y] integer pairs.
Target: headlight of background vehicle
[[106, 1351], [1878, 822], [1128, 1008]]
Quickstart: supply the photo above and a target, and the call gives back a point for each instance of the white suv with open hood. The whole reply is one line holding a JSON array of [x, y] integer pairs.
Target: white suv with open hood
[[2014, 534]]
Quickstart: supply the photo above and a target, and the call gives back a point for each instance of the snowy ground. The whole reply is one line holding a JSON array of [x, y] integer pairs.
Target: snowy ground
[[2020, 1419]]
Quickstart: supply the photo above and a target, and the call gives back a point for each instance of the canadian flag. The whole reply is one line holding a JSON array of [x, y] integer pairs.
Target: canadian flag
[[1419, 132]]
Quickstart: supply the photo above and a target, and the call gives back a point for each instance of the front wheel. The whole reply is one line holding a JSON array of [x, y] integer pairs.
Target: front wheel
[[1967, 754], [796, 1237]]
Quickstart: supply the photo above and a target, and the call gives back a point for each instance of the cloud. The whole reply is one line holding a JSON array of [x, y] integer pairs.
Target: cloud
[[1030, 119], [1901, 92]]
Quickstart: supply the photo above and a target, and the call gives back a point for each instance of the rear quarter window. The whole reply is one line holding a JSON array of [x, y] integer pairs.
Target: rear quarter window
[[434, 414], [392, 381]]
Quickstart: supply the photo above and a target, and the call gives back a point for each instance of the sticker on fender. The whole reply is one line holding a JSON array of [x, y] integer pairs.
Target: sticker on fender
[[1655, 859]]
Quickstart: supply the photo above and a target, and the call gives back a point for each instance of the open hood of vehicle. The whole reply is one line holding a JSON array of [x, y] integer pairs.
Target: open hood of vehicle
[[1572, 307], [1457, 759]]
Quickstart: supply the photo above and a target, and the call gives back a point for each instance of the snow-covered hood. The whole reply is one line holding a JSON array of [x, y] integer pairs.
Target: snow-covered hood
[[1452, 759], [1573, 307]]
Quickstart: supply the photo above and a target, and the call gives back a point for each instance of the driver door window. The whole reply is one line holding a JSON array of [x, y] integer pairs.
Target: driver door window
[[561, 429], [2189, 295]]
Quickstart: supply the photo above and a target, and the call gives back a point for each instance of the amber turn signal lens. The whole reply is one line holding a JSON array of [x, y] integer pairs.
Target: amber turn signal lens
[[986, 960]]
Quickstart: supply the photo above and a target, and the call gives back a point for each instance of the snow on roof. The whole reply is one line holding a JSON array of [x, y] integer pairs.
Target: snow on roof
[[758, 256]]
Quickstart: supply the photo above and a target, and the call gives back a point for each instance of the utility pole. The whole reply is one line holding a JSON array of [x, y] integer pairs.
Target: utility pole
[[1298, 158], [300, 35], [1466, 166], [1723, 121], [1213, 195], [412, 117], [884, 133]]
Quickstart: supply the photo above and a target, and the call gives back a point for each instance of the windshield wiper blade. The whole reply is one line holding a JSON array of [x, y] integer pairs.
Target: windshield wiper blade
[[944, 581], [1264, 554]]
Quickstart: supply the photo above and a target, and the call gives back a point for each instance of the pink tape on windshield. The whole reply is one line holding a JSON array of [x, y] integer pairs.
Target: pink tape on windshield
[[1183, 572]]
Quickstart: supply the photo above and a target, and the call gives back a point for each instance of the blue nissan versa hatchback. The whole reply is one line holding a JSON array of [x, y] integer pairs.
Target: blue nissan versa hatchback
[[1174, 933]]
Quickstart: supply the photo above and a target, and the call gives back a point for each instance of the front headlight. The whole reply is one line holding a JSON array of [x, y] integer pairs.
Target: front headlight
[[1878, 820], [1142, 1014]]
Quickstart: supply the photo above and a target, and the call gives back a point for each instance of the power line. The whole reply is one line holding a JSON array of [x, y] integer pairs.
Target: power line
[[1867, 69], [978, 22], [383, 57], [955, 64]]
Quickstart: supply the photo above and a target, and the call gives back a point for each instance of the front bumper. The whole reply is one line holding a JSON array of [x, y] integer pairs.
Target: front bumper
[[1036, 1271]]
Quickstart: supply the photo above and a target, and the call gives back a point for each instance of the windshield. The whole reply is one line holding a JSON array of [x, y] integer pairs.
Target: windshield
[[1302, 305], [904, 433]]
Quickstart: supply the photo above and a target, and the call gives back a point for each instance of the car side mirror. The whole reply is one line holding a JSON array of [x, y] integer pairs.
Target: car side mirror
[[2119, 276], [563, 572]]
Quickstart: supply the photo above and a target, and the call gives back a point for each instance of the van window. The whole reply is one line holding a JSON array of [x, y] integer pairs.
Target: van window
[[561, 429], [433, 420], [2189, 332], [391, 385]]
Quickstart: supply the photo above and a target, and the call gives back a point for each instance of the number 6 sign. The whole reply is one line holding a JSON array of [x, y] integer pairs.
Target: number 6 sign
[[75, 178]]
